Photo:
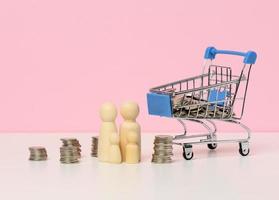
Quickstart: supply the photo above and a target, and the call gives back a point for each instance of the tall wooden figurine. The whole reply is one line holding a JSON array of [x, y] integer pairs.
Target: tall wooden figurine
[[108, 115], [132, 148], [114, 149], [129, 111]]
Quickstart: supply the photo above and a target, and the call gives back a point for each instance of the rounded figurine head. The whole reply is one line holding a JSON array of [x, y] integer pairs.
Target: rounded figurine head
[[132, 137], [108, 112], [129, 110], [113, 138]]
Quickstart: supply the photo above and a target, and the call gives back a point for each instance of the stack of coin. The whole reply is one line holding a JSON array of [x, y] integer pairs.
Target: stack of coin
[[94, 147], [70, 151], [37, 153], [162, 149]]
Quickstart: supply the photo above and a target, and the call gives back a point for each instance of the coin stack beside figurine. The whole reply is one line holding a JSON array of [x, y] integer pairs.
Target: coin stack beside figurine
[[162, 149], [94, 147]]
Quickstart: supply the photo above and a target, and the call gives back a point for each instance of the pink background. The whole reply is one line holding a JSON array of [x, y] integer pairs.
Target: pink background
[[60, 59]]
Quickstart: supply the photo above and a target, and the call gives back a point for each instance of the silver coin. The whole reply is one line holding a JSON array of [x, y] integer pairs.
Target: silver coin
[[37, 151], [38, 158], [163, 136], [69, 161], [69, 148], [163, 145], [162, 152], [162, 156], [163, 140], [69, 158], [162, 148], [69, 139], [71, 145], [161, 161], [37, 148], [38, 154], [69, 155]]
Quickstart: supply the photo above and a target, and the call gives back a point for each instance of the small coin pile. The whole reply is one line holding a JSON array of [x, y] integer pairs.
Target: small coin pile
[[37, 153], [70, 151], [94, 147], [162, 149], [192, 107]]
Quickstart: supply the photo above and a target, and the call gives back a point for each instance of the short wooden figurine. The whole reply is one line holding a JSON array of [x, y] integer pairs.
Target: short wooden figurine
[[132, 148], [114, 149]]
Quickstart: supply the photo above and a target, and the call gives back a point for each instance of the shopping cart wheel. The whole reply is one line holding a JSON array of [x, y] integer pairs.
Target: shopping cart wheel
[[244, 148], [212, 145], [188, 156], [187, 152]]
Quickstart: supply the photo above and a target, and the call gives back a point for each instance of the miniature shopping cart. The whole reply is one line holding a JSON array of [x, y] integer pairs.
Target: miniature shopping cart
[[216, 94]]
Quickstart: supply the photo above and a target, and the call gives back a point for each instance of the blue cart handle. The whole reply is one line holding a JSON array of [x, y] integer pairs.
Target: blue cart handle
[[249, 57]]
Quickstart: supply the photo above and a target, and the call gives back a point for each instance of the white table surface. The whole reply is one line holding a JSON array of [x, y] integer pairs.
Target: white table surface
[[221, 174]]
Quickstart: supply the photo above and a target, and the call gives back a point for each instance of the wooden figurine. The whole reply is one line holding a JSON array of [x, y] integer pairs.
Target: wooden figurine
[[114, 149], [108, 115], [129, 111], [132, 148]]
